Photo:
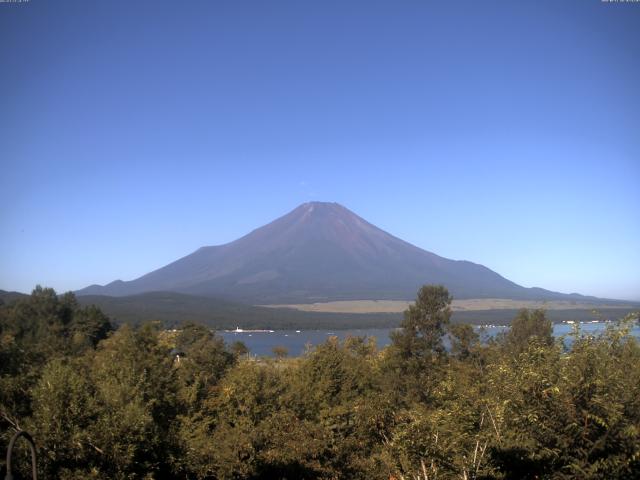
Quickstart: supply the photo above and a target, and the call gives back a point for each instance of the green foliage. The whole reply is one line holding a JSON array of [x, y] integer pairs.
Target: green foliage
[[413, 363], [142, 403], [464, 340], [572, 415], [64, 410], [135, 387], [280, 352], [205, 360], [35, 330], [239, 349], [425, 322], [529, 325]]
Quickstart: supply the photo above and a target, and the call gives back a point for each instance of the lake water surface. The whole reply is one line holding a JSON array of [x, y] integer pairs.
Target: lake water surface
[[262, 343]]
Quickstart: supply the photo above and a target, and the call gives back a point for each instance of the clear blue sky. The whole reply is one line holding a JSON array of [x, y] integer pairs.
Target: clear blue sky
[[505, 133]]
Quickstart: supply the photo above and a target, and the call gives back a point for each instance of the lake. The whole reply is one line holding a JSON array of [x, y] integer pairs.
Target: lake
[[261, 343]]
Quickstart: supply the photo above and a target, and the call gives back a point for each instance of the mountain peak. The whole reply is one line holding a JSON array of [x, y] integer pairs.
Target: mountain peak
[[322, 207], [332, 223], [317, 203], [319, 251]]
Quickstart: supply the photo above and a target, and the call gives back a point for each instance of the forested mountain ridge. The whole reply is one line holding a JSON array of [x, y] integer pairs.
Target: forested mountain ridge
[[172, 309]]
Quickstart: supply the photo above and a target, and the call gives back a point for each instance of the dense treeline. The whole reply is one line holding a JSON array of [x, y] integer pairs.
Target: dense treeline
[[142, 403], [172, 308]]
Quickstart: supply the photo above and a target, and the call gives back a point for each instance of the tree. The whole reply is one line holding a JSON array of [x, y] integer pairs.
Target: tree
[[463, 340], [88, 327], [205, 363], [425, 321], [34, 331], [239, 349], [529, 325], [135, 395], [63, 412], [280, 352], [231, 444], [336, 386], [417, 352]]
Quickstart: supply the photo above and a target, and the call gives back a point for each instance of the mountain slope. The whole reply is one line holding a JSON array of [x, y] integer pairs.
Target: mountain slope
[[9, 297], [319, 252]]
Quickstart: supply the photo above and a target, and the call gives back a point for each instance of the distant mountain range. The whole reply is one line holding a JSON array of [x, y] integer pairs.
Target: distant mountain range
[[321, 252]]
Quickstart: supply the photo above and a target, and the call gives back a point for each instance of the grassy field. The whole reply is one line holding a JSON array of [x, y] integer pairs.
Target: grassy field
[[469, 305]]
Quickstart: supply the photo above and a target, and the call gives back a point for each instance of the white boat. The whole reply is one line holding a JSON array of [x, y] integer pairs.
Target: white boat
[[242, 330]]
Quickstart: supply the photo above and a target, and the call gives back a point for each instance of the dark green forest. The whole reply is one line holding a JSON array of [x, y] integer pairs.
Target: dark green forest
[[138, 402], [172, 309]]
